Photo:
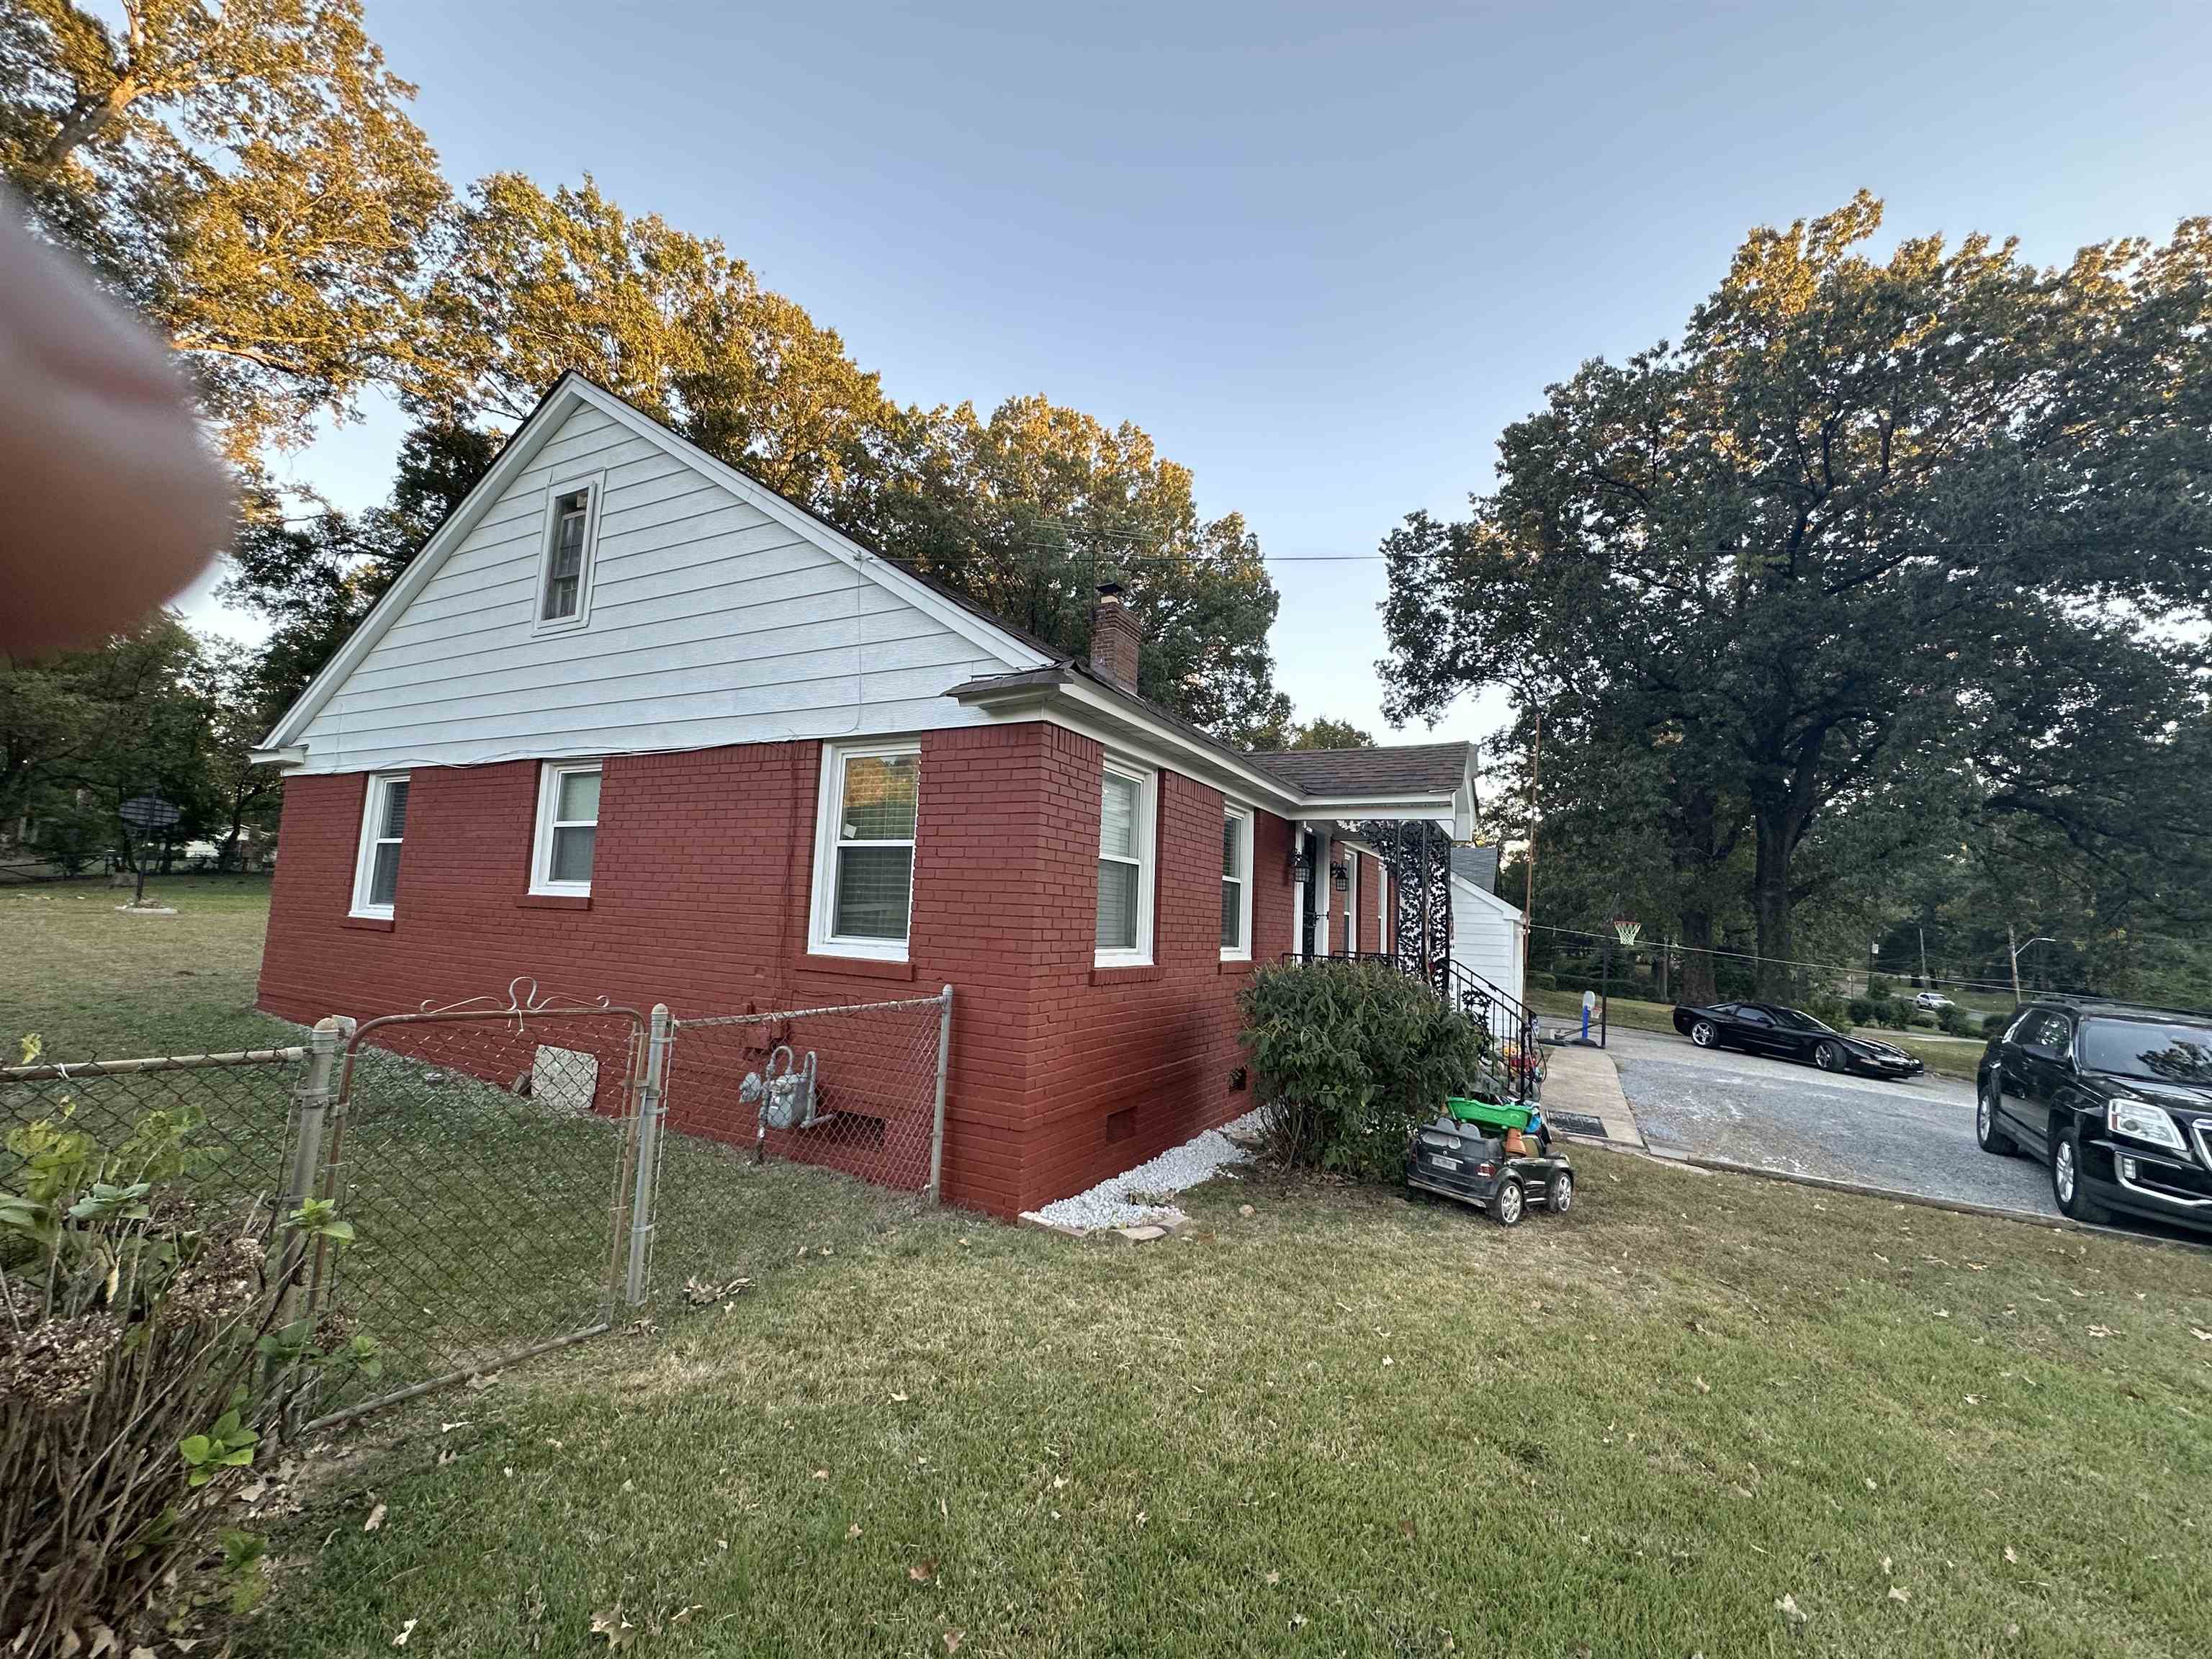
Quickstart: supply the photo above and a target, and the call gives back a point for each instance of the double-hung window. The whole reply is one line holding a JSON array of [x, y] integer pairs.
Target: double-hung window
[[1235, 885], [1126, 816], [568, 829], [867, 811], [564, 586], [383, 827]]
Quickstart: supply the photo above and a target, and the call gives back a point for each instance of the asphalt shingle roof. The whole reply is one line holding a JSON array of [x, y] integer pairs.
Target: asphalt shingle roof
[[1477, 865], [1419, 768]]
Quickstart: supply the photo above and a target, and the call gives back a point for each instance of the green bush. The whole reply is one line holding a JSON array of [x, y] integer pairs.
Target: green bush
[[1543, 981], [1828, 1008], [1349, 1058], [1861, 1010], [1958, 1022], [1993, 1024]]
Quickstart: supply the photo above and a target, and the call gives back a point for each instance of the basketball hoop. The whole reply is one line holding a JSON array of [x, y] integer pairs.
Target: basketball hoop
[[1625, 930]]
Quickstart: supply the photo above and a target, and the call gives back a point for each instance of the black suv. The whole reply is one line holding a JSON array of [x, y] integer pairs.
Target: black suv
[[2116, 1099]]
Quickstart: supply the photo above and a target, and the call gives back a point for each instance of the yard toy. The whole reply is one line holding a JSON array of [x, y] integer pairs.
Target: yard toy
[[1476, 1153]]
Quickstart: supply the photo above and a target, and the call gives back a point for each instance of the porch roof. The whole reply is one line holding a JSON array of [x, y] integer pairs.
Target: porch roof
[[1431, 782]]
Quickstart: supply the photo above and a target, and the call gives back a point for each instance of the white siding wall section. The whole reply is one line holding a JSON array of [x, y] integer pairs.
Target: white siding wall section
[[710, 623], [1486, 938]]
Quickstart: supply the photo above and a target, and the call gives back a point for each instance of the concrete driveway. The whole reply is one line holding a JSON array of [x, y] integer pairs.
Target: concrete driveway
[[1917, 1137]]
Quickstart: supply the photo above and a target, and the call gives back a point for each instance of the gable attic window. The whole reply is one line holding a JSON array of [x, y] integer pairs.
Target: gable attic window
[[1127, 814], [572, 522], [568, 830], [865, 814], [1235, 885], [383, 826]]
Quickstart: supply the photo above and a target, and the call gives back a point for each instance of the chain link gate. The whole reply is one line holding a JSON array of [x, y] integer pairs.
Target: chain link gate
[[486, 1159]]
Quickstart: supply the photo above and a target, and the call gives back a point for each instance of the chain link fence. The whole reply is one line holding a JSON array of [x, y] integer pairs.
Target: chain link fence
[[857, 1089], [506, 1169], [234, 1116]]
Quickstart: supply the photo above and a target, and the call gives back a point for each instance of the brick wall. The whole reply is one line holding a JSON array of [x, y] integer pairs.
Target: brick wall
[[1060, 1075]]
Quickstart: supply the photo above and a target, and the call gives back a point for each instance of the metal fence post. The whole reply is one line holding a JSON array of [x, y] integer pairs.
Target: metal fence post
[[936, 1112], [301, 1169], [651, 1105]]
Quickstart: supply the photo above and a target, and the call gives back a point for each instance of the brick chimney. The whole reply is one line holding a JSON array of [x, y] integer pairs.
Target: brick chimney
[[1115, 640]]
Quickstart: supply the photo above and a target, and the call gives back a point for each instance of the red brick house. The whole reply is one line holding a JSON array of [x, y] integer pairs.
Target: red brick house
[[634, 723]]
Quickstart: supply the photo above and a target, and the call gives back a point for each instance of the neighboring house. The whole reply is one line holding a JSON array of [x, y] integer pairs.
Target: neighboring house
[[632, 724], [1489, 936]]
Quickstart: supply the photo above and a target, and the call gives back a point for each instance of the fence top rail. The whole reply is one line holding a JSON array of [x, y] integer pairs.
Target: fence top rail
[[809, 1013], [65, 1071]]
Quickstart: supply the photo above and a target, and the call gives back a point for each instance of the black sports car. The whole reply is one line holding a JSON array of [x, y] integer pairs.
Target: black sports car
[[1766, 1028]]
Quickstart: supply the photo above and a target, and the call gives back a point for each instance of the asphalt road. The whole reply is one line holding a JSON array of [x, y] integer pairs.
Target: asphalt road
[[1916, 1137]]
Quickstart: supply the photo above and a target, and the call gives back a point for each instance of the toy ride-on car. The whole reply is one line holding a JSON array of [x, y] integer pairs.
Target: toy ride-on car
[[1497, 1158]]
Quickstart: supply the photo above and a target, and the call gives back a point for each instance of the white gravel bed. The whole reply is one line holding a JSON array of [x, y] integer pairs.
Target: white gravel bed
[[1107, 1204]]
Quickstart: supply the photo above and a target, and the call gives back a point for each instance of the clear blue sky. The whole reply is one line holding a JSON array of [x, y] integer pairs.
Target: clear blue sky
[[1322, 258]]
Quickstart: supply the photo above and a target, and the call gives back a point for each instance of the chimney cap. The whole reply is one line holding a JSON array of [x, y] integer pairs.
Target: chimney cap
[[1110, 592]]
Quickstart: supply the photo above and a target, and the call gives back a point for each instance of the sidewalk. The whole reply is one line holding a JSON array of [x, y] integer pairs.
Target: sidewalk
[[1586, 1080]]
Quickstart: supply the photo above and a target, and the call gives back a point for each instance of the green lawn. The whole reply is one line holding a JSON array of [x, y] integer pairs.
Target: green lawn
[[1344, 1423]]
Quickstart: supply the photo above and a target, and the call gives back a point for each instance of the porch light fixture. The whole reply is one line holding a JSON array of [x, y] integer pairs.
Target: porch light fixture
[[1298, 866], [1339, 877]]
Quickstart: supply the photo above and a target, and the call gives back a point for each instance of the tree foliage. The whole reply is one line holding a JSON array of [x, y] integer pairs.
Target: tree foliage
[[246, 175], [1881, 546]]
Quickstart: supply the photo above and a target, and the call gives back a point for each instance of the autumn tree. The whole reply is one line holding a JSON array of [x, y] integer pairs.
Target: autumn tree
[[1848, 549], [1029, 510], [246, 175]]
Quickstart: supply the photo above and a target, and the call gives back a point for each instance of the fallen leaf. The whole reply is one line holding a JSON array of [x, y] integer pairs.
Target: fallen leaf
[[1387, 1359], [483, 1379], [922, 1571], [141, 1653], [853, 1531], [103, 1641], [1788, 1607], [1244, 1210], [375, 1519], [953, 1637], [1297, 1621], [898, 1400], [1274, 1578], [611, 1625], [2100, 1330], [821, 1474], [2010, 1556], [448, 1428], [447, 1457], [2202, 1336], [405, 1630], [1870, 1484], [1059, 1481], [1701, 1385], [1898, 1593], [1884, 1566]]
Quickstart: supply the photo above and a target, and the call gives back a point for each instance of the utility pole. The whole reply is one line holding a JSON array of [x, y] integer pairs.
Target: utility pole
[[2040, 938], [1529, 886], [1926, 983]]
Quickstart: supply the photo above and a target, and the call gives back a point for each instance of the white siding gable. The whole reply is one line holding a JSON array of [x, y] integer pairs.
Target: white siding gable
[[716, 616]]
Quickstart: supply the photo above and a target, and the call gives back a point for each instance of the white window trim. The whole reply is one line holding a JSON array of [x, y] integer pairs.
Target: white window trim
[[1147, 862], [372, 811], [1241, 815], [596, 484], [549, 774], [822, 906]]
